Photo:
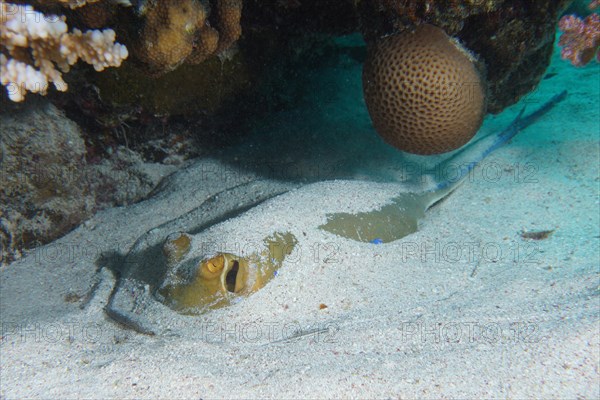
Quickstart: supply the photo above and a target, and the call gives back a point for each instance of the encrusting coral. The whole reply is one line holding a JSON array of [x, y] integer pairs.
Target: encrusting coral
[[229, 14], [178, 31], [36, 48], [213, 41], [184, 44], [167, 37]]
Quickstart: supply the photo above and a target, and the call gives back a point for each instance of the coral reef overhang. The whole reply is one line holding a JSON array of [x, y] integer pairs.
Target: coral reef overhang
[[512, 41]]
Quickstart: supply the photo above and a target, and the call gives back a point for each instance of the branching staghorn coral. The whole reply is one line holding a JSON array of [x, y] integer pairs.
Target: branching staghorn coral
[[580, 40], [36, 48]]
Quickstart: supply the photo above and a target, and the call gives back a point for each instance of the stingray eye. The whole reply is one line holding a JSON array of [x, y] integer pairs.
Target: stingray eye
[[211, 267], [215, 264]]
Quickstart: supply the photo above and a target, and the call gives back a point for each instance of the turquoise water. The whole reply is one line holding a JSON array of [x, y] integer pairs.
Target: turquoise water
[[330, 135]]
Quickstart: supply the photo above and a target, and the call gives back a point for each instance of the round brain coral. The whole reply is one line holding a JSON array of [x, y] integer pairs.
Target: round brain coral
[[423, 91]]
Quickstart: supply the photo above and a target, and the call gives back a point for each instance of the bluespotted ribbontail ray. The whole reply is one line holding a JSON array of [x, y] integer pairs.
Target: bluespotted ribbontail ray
[[400, 218], [374, 211]]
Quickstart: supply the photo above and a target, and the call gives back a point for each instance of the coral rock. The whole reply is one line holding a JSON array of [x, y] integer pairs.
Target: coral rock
[[42, 195]]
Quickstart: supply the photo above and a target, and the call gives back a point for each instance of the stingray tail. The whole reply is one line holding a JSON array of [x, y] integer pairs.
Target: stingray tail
[[474, 153]]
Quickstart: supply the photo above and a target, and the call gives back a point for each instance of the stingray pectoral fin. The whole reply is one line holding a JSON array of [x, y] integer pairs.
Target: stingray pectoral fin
[[279, 245], [386, 224]]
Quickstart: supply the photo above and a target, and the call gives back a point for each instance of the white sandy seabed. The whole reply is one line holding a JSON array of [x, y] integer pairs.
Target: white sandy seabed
[[465, 307]]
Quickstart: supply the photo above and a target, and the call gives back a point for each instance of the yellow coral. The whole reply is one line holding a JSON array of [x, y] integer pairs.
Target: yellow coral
[[230, 15], [177, 31], [168, 35], [205, 46]]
